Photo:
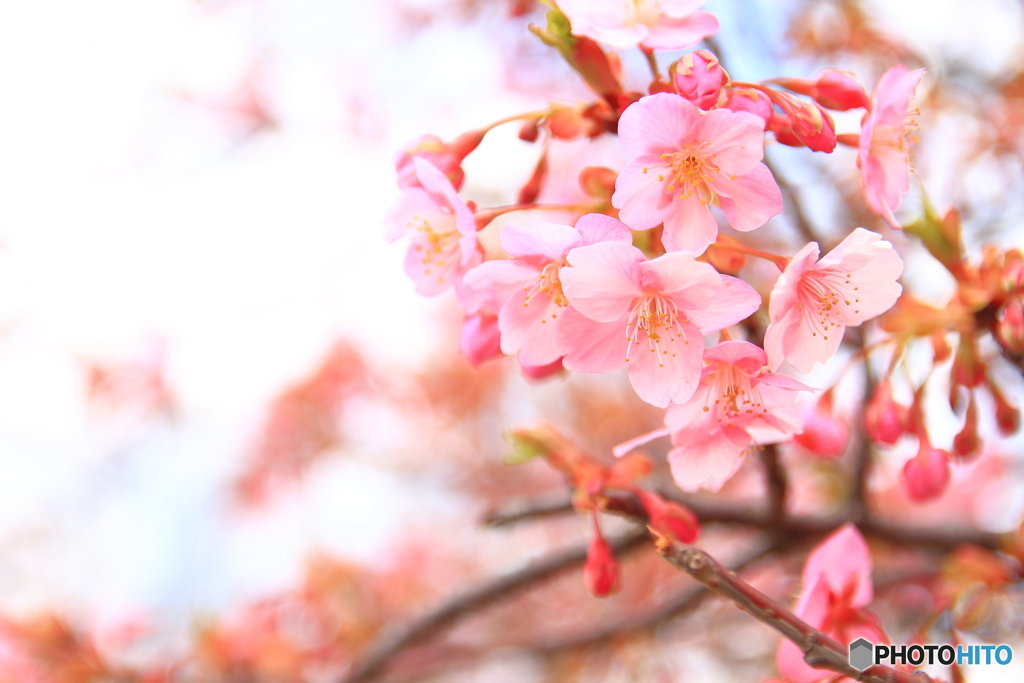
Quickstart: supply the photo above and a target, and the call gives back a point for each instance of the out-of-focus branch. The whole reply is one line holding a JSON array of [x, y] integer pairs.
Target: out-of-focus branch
[[819, 650], [447, 614], [777, 486], [862, 459], [793, 527], [800, 220]]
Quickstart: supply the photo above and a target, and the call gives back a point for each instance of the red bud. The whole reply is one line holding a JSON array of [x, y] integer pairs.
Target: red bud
[[926, 475], [698, 77], [884, 419], [669, 519], [601, 571]]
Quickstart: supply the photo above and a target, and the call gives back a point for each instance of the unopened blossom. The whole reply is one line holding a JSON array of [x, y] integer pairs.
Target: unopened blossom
[[480, 340], [737, 405], [699, 77], [885, 420], [442, 231], [825, 434], [654, 24], [831, 88], [836, 587], [814, 301], [649, 316], [926, 475], [684, 162], [446, 156], [802, 124], [884, 150], [527, 290]]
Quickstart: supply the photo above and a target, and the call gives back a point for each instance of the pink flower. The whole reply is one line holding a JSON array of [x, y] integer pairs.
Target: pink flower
[[698, 77], [684, 162], [655, 24], [736, 405], [442, 228], [884, 157], [926, 475], [480, 340], [813, 300], [527, 292], [836, 587], [663, 306], [447, 157]]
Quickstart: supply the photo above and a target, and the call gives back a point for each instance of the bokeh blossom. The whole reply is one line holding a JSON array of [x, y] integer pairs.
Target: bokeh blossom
[[654, 24]]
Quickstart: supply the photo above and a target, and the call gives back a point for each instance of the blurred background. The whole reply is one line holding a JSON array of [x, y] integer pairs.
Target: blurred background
[[221, 400]]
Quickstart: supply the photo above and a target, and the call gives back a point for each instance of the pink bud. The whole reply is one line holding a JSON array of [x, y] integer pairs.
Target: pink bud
[[967, 442], [699, 78], [669, 519], [749, 100], [430, 147], [540, 371], [833, 89], [480, 340], [1010, 325], [926, 475], [1007, 415], [601, 571], [804, 124], [824, 434], [884, 419]]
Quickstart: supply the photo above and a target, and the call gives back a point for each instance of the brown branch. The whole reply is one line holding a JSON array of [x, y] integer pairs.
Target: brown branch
[[793, 527], [446, 615], [778, 483], [819, 650], [862, 459]]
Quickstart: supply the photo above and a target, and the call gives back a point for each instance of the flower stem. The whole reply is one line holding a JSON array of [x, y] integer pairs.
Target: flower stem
[[780, 261]]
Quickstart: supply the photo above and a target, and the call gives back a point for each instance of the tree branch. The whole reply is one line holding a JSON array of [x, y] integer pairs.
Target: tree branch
[[778, 483], [449, 613], [819, 650]]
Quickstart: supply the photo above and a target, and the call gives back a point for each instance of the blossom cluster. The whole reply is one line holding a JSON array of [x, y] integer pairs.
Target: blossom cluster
[[642, 272]]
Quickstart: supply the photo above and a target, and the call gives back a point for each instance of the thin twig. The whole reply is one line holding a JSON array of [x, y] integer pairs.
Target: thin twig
[[794, 526], [862, 459], [448, 613], [778, 483], [819, 650]]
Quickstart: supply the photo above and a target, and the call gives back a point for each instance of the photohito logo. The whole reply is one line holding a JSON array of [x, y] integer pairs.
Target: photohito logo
[[863, 654]]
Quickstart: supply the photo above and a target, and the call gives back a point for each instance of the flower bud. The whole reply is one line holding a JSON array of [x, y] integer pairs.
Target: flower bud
[[825, 434], [968, 369], [749, 100], [1007, 415], [803, 124], [446, 157], [967, 442], [628, 470], [1010, 325], [884, 419], [528, 192], [598, 182], [669, 519], [530, 131], [926, 475], [726, 260], [698, 77], [480, 340], [601, 571], [832, 89]]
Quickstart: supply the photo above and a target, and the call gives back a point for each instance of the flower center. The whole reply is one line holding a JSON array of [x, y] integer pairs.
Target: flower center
[[549, 285], [437, 243], [734, 396], [827, 298], [642, 12], [691, 173], [659, 320]]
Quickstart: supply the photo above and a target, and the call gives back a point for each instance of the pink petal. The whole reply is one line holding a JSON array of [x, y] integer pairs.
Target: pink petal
[[412, 207], [480, 339], [749, 200], [749, 357], [672, 272], [493, 282], [893, 93], [546, 241], [675, 34], [595, 227], [731, 301], [590, 346], [657, 124], [603, 280], [668, 373], [640, 196], [678, 9], [529, 328], [736, 140], [843, 561], [430, 278], [806, 342], [784, 293], [709, 463], [689, 226]]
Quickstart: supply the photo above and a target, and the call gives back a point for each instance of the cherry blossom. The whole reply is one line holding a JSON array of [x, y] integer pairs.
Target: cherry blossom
[[736, 405], [884, 154], [664, 306], [926, 475], [699, 77], [814, 300], [836, 587], [527, 291], [654, 24], [684, 162], [442, 228]]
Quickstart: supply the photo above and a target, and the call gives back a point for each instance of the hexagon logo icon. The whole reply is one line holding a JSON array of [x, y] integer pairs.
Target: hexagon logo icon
[[861, 654]]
